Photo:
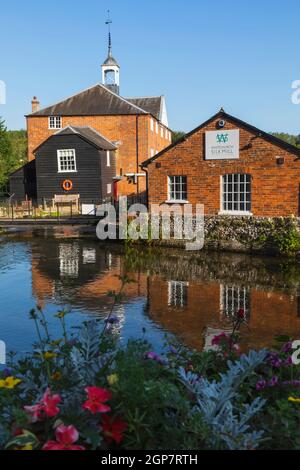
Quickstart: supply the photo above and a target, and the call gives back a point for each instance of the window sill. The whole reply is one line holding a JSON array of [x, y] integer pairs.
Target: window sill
[[179, 201], [246, 214], [67, 171]]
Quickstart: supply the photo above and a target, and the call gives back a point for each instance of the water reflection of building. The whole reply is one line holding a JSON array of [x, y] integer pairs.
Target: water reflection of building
[[189, 304], [80, 275], [192, 310]]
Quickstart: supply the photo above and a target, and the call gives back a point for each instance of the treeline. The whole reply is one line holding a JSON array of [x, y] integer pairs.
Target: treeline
[[291, 139], [13, 153]]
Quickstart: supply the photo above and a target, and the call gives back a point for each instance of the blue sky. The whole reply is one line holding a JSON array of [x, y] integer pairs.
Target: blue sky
[[201, 55]]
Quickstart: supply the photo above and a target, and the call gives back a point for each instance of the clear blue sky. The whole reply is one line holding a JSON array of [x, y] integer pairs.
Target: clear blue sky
[[201, 54]]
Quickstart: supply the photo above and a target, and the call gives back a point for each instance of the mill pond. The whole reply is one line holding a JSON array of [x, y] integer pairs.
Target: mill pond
[[192, 297]]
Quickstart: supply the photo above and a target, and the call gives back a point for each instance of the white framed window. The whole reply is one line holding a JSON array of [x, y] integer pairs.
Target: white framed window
[[234, 299], [167, 134], [177, 188], [152, 124], [152, 152], [156, 127], [66, 161], [236, 193], [108, 158], [55, 122], [177, 294], [109, 189], [162, 132]]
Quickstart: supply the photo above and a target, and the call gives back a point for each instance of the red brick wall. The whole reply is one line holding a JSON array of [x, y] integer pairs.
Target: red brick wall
[[275, 189], [115, 128]]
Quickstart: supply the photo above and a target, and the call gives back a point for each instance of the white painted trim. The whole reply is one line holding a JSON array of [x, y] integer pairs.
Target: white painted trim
[[55, 128], [58, 161], [246, 213], [108, 158], [178, 201]]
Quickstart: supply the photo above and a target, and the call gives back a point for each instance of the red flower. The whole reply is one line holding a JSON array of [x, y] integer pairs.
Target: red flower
[[241, 313], [96, 398], [47, 406], [66, 436], [113, 429], [218, 339]]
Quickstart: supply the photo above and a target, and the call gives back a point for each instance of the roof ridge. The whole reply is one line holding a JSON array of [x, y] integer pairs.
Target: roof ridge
[[143, 97], [123, 99], [65, 99]]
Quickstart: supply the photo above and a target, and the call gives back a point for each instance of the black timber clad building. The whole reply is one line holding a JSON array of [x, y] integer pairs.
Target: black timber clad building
[[76, 161]]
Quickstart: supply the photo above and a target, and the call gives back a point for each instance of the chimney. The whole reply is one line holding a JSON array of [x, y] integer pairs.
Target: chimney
[[35, 104]]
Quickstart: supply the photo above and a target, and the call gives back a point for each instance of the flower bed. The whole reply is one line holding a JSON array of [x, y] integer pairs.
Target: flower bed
[[84, 392]]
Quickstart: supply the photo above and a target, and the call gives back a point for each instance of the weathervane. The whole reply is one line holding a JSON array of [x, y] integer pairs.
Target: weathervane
[[108, 23]]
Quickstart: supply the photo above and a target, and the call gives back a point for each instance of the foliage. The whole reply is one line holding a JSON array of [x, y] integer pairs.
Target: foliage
[[291, 139], [176, 136], [85, 391], [13, 152]]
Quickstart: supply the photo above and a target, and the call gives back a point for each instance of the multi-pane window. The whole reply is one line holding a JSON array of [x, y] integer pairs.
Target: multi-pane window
[[162, 131], [66, 161], [178, 294], [55, 122], [152, 125], [236, 193], [234, 299], [69, 260], [177, 188], [156, 127], [152, 152]]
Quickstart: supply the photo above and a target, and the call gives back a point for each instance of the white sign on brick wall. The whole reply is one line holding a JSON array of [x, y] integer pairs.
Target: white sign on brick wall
[[222, 145]]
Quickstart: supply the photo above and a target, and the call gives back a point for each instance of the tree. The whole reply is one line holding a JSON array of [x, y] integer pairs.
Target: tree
[[5, 155], [177, 135]]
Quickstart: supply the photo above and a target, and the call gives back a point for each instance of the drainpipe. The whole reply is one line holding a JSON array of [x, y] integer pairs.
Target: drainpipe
[[145, 168], [137, 154]]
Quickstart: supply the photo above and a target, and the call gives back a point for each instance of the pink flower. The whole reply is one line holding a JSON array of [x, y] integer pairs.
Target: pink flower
[[46, 407], [113, 429], [96, 399], [66, 436], [219, 338]]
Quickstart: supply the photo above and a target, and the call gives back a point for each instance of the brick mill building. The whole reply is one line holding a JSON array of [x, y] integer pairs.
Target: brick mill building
[[135, 128], [229, 166]]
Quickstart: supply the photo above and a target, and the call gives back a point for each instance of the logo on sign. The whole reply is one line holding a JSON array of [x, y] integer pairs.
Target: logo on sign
[[222, 138]]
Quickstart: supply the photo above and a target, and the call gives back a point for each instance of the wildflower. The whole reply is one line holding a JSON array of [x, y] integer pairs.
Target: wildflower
[[26, 447], [57, 376], [47, 406], [9, 383], [96, 399], [273, 382], [241, 313], [261, 385], [219, 338], [113, 429], [61, 314], [294, 400], [49, 355], [274, 360], [287, 347], [155, 357], [66, 437], [112, 379]]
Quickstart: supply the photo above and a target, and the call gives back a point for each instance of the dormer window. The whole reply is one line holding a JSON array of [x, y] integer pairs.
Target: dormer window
[[55, 122]]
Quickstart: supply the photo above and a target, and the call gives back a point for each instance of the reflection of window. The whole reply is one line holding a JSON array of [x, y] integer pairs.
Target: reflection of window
[[69, 260], [89, 256], [236, 193], [178, 294], [233, 299]]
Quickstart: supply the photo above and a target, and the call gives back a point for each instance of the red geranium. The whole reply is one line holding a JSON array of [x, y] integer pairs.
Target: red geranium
[[96, 399], [47, 406], [113, 429], [66, 436]]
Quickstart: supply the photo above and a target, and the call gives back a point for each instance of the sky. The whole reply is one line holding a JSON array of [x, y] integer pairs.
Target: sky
[[200, 54]]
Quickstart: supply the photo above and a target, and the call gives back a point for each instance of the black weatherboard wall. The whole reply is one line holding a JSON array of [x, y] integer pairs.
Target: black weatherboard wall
[[22, 183], [91, 178]]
